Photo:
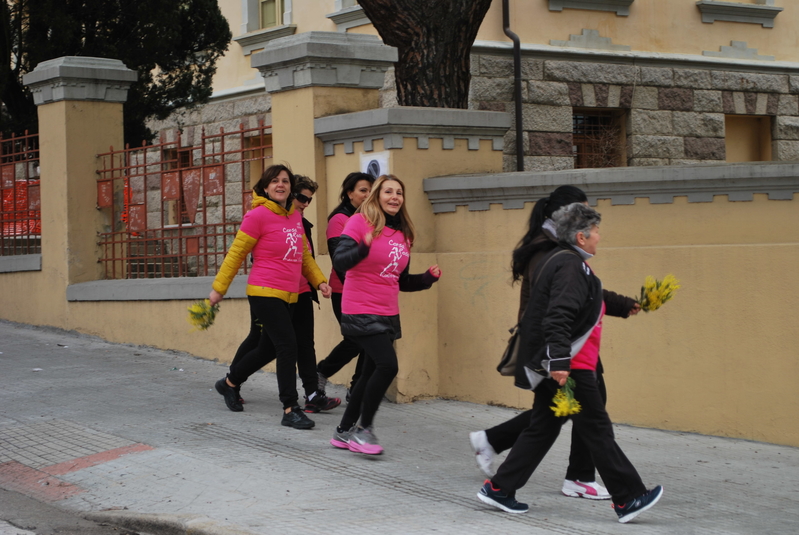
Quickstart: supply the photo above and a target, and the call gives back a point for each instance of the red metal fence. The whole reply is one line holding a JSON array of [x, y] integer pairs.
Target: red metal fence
[[20, 212], [173, 208]]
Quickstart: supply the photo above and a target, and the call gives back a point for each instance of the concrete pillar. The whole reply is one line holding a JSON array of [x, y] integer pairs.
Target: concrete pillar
[[416, 144], [79, 103]]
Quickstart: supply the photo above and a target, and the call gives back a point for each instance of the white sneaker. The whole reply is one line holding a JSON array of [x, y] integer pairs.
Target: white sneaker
[[578, 489], [483, 452]]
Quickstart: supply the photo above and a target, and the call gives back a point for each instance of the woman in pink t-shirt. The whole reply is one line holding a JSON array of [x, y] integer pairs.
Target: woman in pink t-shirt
[[273, 232], [354, 190], [374, 251]]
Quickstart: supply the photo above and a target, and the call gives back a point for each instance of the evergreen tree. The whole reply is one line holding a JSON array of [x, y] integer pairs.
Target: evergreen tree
[[172, 44]]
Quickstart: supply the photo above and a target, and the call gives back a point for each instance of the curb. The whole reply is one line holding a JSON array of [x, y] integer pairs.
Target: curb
[[166, 524]]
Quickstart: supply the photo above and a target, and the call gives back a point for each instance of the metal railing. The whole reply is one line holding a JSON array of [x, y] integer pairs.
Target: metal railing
[[20, 210], [173, 208]]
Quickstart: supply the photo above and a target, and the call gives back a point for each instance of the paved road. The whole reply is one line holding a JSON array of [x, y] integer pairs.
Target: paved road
[[137, 436]]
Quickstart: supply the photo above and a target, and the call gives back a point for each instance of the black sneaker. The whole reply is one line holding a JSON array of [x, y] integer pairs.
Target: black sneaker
[[297, 419], [320, 402], [635, 507], [238, 393], [488, 494], [230, 394]]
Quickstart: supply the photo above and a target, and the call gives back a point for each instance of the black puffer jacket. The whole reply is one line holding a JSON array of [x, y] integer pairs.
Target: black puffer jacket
[[565, 305]]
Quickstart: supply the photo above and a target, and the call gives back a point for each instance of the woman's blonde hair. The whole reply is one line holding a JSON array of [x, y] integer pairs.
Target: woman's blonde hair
[[374, 215]]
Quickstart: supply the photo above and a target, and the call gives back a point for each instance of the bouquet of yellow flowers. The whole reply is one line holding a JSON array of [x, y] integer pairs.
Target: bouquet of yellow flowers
[[654, 292], [202, 314], [564, 402]]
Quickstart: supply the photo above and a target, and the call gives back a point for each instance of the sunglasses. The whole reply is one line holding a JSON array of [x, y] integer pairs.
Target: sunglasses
[[303, 198]]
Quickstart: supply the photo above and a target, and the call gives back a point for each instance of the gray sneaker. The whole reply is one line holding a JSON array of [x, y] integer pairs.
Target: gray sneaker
[[341, 439], [363, 440], [321, 381]]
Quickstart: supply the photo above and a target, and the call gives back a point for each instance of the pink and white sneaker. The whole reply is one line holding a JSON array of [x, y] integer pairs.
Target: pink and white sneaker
[[578, 489], [363, 440]]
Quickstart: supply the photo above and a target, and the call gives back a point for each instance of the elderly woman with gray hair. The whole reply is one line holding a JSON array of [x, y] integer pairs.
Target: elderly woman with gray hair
[[560, 335]]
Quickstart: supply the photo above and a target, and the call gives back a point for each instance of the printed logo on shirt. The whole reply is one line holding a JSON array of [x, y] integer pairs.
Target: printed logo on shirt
[[398, 250], [294, 242]]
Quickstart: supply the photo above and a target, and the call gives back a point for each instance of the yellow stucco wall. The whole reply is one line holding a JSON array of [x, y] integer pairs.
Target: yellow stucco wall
[[662, 26], [672, 26], [707, 362]]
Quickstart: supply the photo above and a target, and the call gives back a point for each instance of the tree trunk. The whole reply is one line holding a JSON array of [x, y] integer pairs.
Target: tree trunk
[[434, 39]]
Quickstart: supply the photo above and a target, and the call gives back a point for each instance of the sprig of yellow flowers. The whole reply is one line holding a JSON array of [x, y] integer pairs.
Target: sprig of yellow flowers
[[654, 292], [564, 402], [202, 314]]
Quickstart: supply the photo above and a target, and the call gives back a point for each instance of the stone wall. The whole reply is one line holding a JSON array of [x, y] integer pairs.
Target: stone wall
[[674, 116]]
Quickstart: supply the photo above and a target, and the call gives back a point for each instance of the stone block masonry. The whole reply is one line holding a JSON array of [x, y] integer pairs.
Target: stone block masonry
[[673, 115]]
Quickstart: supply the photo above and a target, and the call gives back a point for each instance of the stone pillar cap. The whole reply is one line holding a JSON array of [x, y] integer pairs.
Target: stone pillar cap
[[80, 78], [328, 45], [331, 59]]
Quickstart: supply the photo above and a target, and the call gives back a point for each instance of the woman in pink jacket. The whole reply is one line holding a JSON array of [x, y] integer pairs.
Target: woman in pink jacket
[[374, 251], [274, 233]]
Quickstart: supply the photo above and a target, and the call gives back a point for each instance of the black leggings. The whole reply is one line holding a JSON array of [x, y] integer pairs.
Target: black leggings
[[593, 425], [343, 353], [276, 340], [379, 369], [581, 466]]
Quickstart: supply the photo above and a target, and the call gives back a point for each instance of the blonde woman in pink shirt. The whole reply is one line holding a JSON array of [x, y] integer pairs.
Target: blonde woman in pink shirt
[[374, 251], [273, 232]]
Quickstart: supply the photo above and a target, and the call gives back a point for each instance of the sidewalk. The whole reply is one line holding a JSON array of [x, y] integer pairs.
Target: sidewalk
[[139, 437]]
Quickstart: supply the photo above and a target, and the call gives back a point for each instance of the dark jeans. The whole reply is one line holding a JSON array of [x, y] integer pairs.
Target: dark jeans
[[276, 340], [379, 369], [343, 353], [581, 466], [592, 424]]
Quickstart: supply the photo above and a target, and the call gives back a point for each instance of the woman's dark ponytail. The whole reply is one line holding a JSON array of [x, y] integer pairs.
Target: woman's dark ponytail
[[543, 210]]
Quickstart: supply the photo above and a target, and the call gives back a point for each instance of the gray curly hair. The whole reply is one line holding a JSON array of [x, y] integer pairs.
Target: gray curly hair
[[573, 219]]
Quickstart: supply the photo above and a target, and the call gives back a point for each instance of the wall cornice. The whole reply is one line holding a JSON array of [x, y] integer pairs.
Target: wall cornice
[[27, 262], [620, 7], [350, 17], [622, 185], [713, 10], [637, 58], [152, 289], [260, 38], [393, 125]]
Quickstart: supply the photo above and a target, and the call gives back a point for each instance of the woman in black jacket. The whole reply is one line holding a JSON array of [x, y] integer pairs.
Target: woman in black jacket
[[560, 335], [580, 480]]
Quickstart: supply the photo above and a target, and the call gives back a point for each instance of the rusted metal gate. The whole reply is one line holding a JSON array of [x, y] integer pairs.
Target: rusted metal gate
[[173, 208]]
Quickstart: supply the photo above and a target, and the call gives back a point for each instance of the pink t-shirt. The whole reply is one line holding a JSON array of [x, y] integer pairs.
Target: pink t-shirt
[[278, 253], [372, 286], [588, 356], [334, 228]]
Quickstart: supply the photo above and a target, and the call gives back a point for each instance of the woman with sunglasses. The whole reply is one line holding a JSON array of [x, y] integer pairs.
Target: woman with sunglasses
[[272, 230], [375, 252], [354, 190], [315, 398]]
